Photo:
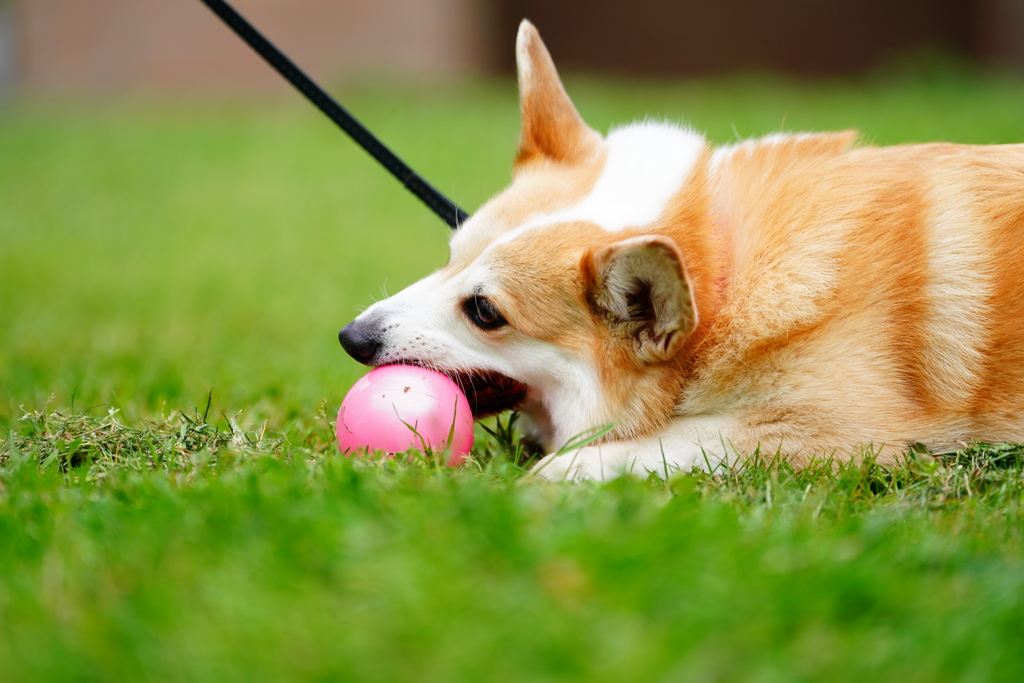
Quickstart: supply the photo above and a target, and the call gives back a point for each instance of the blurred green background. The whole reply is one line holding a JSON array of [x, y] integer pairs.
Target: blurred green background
[[153, 252]]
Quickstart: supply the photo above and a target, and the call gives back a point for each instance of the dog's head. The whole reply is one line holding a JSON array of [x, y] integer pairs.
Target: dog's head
[[566, 295]]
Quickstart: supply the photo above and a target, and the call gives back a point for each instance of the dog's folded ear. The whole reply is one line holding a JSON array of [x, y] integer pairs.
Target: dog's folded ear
[[552, 128], [640, 289]]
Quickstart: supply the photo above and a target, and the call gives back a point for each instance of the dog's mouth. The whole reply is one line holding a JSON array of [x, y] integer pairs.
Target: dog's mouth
[[488, 392]]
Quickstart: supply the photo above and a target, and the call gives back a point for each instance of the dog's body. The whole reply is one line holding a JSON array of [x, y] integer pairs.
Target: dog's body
[[793, 294]]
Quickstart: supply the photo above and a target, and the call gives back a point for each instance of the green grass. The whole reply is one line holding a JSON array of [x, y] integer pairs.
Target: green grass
[[190, 552], [153, 258]]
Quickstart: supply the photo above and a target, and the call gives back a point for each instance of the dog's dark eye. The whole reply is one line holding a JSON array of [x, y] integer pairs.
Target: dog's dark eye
[[482, 313]]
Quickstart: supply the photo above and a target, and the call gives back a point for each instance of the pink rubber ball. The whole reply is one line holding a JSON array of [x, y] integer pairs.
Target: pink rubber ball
[[380, 408]]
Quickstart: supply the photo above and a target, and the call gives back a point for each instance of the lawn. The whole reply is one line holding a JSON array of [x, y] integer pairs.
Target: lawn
[[172, 279]]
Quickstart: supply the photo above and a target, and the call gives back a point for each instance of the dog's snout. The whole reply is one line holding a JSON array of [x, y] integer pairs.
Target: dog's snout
[[360, 341]]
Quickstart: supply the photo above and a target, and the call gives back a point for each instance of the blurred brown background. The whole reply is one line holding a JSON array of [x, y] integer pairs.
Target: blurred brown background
[[68, 46]]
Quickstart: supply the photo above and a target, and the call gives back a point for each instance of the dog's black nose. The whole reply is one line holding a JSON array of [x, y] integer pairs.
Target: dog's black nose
[[360, 341]]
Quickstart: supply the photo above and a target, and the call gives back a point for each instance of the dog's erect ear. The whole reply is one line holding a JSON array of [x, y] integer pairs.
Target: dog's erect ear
[[640, 288], [552, 128]]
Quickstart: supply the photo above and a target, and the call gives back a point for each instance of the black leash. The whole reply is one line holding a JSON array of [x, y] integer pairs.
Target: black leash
[[449, 212]]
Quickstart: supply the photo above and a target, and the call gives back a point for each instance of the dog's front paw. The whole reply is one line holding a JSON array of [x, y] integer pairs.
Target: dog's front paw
[[599, 463], [640, 458]]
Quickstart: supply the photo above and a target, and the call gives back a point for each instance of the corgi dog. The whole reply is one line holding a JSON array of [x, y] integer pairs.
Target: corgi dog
[[795, 294]]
